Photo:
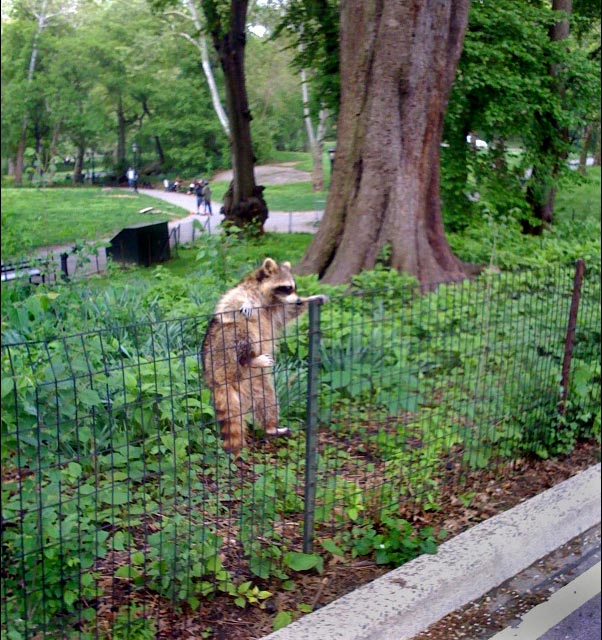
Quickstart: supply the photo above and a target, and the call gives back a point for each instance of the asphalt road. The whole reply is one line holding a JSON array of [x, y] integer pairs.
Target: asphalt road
[[571, 613], [550, 600], [582, 624]]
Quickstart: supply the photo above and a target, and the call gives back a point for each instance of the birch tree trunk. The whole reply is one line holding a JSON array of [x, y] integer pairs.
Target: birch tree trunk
[[43, 13], [315, 136]]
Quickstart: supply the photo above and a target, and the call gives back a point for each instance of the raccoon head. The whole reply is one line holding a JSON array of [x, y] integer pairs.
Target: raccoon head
[[277, 282]]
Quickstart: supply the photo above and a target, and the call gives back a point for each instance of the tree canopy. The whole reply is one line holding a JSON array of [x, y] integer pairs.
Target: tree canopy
[[78, 81]]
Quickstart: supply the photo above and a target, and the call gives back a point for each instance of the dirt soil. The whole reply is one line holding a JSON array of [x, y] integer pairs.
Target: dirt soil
[[220, 619], [271, 174]]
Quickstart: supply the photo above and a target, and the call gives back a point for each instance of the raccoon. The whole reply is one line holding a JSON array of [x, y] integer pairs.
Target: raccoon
[[238, 350]]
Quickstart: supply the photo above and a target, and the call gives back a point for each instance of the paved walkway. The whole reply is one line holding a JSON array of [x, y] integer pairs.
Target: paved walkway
[[281, 221], [185, 230]]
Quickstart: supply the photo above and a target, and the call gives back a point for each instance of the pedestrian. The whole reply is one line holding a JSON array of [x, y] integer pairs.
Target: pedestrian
[[207, 198], [132, 177], [198, 190]]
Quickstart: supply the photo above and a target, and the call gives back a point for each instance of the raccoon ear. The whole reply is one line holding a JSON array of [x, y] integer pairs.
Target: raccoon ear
[[269, 266], [286, 265]]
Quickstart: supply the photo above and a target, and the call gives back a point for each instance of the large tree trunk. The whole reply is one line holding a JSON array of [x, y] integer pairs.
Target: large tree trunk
[[160, 152], [398, 61], [244, 205]]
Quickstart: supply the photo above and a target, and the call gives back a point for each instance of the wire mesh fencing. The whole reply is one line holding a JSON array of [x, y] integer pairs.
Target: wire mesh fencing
[[120, 502]]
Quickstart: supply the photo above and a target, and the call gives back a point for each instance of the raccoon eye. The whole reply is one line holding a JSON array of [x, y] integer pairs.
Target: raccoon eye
[[285, 290]]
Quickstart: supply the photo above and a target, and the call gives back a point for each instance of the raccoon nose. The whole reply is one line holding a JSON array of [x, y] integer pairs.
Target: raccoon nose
[[298, 301]]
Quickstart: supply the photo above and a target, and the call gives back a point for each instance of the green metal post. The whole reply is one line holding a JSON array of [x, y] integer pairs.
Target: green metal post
[[311, 426]]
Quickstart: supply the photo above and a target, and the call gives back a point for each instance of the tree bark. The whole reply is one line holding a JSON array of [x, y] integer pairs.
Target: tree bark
[[541, 191], [121, 134], [398, 61], [244, 205]]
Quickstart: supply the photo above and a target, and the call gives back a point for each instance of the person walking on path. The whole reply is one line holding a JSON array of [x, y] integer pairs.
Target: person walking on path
[[198, 190], [207, 198], [132, 177]]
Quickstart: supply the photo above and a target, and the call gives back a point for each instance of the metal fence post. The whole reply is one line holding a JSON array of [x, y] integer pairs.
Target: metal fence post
[[311, 427], [64, 267], [570, 335]]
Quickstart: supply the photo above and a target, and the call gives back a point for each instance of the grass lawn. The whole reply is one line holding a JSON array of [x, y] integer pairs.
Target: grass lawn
[[295, 196], [34, 218], [280, 246], [580, 202]]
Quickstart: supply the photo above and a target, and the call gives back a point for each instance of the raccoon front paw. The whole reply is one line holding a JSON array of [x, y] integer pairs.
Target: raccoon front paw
[[265, 360], [322, 299], [246, 309]]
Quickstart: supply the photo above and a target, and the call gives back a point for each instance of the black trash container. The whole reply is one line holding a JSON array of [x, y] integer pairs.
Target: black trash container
[[142, 244]]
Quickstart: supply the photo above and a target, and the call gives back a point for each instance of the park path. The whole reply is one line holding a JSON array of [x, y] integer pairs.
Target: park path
[[280, 221], [183, 230]]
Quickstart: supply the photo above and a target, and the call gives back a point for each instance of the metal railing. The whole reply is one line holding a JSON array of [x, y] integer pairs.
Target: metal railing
[[118, 497]]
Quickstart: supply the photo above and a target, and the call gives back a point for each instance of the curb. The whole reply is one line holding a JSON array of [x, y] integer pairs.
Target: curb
[[407, 600]]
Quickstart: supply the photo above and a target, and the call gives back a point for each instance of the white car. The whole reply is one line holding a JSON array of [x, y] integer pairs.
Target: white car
[[479, 144]]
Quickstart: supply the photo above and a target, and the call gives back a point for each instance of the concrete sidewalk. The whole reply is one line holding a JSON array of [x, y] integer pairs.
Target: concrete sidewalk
[[409, 599]]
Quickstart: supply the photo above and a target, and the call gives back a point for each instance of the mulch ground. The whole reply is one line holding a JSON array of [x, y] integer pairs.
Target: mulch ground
[[491, 492]]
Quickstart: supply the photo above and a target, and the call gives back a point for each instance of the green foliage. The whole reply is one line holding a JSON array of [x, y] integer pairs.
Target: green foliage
[[105, 409], [497, 240], [393, 542], [505, 91], [314, 30], [282, 619], [132, 624]]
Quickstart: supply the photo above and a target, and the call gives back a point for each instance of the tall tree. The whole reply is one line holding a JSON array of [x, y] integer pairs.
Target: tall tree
[[313, 27], [187, 20], [554, 136], [43, 14], [397, 64], [244, 205], [315, 134]]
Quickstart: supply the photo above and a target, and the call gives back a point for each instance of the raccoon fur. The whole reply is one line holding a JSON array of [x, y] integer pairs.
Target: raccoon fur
[[238, 350]]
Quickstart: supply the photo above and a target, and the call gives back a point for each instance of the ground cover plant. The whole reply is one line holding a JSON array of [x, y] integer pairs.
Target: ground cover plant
[[117, 493], [109, 435]]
